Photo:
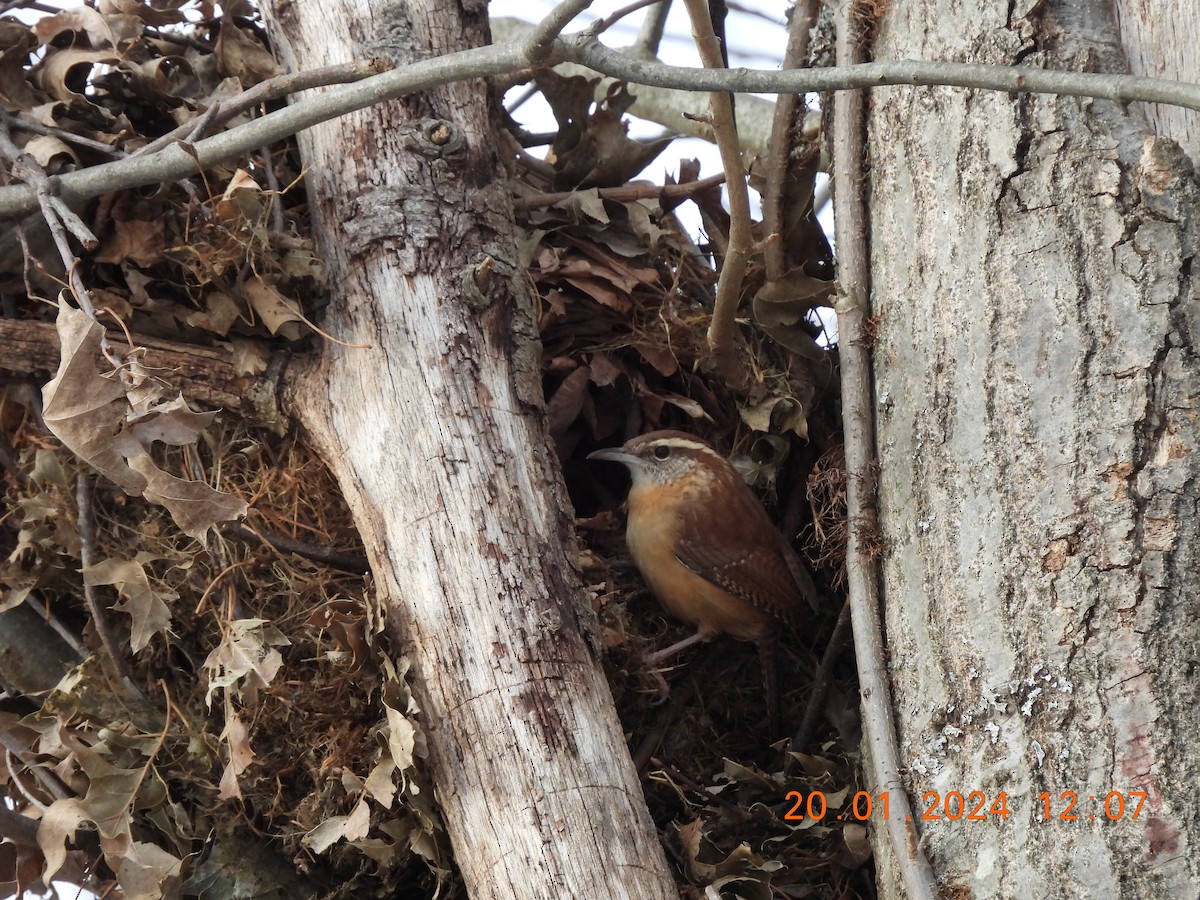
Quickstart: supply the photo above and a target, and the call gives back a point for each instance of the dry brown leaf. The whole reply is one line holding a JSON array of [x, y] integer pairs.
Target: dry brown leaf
[[193, 505], [602, 293], [111, 794], [50, 152], [777, 415], [379, 783], [280, 314], [59, 73], [687, 404], [241, 55], [604, 371], [164, 12], [660, 357], [87, 412], [173, 422], [77, 19], [781, 308], [16, 42], [562, 409], [144, 605], [345, 621], [857, 849], [585, 203], [82, 408], [236, 737], [149, 872], [138, 240], [246, 659], [352, 827], [220, 313], [249, 357]]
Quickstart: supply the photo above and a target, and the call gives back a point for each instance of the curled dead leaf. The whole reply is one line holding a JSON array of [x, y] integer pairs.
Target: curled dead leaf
[[144, 605], [88, 412]]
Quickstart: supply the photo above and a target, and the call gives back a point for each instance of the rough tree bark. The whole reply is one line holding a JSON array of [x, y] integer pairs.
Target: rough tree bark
[[1036, 377], [436, 435]]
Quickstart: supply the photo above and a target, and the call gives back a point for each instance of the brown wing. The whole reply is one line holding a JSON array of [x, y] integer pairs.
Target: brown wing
[[763, 571]]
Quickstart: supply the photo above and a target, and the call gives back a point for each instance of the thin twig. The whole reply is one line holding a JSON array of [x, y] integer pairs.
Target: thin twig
[[48, 779], [729, 284], [25, 4], [879, 722], [57, 215], [804, 16], [629, 9], [820, 685], [63, 135], [348, 562], [277, 223], [651, 33], [180, 40], [87, 543], [530, 91], [628, 193], [273, 89], [541, 41], [47, 614]]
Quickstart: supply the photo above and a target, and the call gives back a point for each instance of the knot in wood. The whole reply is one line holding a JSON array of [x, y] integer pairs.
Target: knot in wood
[[436, 138]]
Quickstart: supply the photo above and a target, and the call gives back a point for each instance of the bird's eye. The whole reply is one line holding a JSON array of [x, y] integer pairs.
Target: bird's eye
[[662, 451]]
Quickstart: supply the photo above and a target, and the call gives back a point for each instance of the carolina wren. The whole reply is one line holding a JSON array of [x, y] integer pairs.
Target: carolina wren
[[706, 546]]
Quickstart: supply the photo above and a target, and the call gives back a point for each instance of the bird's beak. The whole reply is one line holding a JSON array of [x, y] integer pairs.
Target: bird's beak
[[615, 454]]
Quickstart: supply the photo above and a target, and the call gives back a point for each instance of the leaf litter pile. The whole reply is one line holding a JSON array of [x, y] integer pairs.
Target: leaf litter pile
[[197, 706]]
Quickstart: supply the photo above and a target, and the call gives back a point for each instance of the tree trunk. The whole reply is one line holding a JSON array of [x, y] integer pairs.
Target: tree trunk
[[1160, 38], [436, 435], [1036, 376]]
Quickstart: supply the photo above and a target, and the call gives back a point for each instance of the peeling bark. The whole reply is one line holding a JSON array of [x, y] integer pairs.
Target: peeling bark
[[437, 436]]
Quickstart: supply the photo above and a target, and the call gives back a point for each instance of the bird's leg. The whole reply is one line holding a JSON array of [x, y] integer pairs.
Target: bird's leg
[[653, 659], [662, 688]]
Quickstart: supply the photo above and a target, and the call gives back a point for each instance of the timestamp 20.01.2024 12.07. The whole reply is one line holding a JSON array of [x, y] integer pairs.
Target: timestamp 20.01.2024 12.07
[[975, 806]]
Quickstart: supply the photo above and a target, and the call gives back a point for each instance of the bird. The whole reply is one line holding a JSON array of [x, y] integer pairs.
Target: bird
[[707, 548]]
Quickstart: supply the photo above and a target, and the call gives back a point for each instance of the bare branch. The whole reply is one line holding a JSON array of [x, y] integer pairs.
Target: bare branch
[[62, 134], [628, 193], [804, 16], [862, 566], [208, 375], [538, 47], [628, 9], [733, 268], [670, 108], [273, 89], [58, 215], [87, 544], [173, 163], [586, 51], [651, 33]]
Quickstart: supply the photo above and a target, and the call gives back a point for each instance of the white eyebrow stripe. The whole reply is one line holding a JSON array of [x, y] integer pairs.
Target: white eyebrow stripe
[[684, 444]]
